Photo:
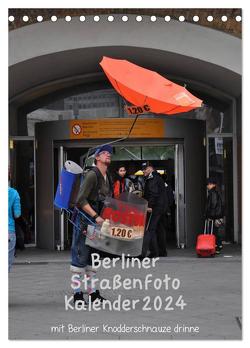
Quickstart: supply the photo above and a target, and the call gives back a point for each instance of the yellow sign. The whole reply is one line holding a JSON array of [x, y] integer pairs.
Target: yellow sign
[[116, 128]]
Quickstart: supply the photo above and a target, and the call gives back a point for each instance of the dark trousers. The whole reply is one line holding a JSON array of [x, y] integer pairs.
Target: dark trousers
[[162, 234], [150, 236], [217, 233]]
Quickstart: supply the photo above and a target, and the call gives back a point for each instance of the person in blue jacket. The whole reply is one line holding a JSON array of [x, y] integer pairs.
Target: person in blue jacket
[[14, 211]]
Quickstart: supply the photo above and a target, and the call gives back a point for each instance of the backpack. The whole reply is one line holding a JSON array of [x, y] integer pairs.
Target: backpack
[[70, 184], [170, 195], [137, 185]]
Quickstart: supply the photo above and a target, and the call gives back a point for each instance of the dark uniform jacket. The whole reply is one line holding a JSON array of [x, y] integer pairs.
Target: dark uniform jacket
[[214, 206], [155, 193]]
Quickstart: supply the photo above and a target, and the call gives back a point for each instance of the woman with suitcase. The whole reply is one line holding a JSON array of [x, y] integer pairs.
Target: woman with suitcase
[[214, 210]]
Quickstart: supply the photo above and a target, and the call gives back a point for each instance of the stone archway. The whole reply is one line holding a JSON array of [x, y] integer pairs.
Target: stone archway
[[44, 54]]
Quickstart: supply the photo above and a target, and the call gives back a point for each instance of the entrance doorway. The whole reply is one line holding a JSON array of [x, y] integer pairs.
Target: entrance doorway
[[168, 160]]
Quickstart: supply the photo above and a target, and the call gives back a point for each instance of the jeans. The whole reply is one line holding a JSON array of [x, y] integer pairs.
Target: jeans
[[11, 248], [80, 253]]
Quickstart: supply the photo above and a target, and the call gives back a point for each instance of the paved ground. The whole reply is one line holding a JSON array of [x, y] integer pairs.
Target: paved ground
[[211, 289]]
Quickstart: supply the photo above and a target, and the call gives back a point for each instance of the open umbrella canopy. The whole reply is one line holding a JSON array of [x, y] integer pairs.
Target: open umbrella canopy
[[147, 89]]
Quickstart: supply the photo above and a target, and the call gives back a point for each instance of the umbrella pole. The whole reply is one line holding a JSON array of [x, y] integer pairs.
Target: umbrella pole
[[131, 128], [112, 142], [124, 138]]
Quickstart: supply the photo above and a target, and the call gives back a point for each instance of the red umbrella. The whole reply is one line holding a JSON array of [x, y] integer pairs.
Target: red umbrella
[[147, 90]]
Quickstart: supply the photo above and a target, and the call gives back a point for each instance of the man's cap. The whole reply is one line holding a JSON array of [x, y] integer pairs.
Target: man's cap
[[146, 164], [211, 180], [102, 148]]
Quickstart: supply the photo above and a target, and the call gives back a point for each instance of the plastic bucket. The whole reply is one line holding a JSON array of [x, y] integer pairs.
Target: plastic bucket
[[68, 186], [64, 189], [125, 220]]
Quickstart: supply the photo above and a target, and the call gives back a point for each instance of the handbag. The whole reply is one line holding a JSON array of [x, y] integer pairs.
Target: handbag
[[219, 222]]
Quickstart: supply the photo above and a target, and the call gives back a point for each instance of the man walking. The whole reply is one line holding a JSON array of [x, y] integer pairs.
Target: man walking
[[155, 194], [95, 188]]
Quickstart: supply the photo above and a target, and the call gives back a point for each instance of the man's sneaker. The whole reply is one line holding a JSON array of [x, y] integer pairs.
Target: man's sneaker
[[218, 249], [78, 296], [96, 296]]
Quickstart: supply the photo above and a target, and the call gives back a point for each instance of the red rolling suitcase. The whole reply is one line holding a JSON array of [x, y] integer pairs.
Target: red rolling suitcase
[[206, 242]]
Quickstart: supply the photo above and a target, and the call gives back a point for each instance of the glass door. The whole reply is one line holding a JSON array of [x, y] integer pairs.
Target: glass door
[[62, 227], [60, 222], [180, 196], [167, 159]]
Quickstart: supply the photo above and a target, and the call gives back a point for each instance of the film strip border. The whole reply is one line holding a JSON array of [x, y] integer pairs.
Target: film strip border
[[227, 20]]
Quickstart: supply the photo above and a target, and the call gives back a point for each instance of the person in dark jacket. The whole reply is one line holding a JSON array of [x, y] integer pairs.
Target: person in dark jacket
[[214, 209], [155, 194]]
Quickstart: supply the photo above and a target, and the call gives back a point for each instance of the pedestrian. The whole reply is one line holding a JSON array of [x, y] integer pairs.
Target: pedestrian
[[121, 182], [155, 194], [96, 187], [214, 210], [14, 212]]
